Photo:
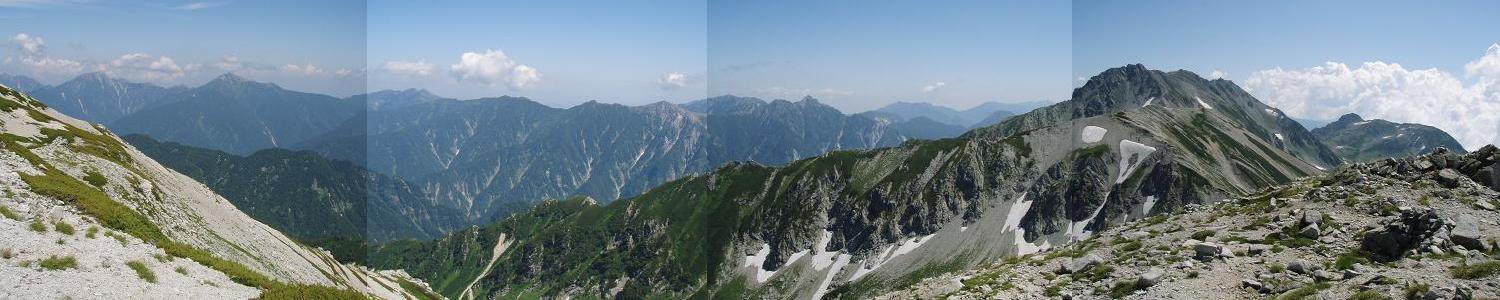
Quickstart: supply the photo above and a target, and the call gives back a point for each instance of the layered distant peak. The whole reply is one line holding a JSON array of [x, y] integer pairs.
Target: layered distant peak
[[230, 78], [1356, 139], [392, 99], [1349, 119], [20, 82], [97, 76], [232, 82], [724, 104]]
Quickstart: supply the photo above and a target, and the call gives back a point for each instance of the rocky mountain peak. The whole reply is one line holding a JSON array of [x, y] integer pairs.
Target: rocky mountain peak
[[1349, 118], [232, 82]]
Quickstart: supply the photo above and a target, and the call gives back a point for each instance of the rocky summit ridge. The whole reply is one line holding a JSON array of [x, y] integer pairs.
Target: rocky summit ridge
[[1422, 227]]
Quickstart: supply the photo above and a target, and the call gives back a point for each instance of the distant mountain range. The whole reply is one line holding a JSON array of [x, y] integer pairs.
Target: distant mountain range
[[20, 83], [495, 156], [982, 115], [1360, 140], [1131, 143]]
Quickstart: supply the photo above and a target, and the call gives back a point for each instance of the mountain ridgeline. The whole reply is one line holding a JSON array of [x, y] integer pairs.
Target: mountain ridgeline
[[1130, 144], [307, 196], [495, 156], [1358, 140]]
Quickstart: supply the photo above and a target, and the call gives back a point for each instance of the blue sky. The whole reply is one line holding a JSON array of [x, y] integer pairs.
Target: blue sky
[[610, 51], [200, 40], [859, 55], [1240, 38]]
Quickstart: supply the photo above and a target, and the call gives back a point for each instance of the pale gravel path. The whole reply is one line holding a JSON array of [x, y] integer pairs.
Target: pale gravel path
[[500, 246]]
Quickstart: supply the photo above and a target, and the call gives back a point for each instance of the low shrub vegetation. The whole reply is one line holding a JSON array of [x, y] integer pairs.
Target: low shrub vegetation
[[62, 227], [1476, 271], [142, 271], [5, 211], [59, 263]]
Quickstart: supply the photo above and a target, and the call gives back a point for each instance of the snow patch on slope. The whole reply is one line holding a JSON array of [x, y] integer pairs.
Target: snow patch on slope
[[1093, 134], [1146, 207], [832, 261], [1204, 104], [1148, 102], [757, 260], [1131, 155], [1013, 217]]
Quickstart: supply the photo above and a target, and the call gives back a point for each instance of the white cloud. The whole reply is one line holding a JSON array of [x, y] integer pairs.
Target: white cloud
[[141, 66], [672, 81], [198, 5], [29, 45], [1487, 66], [933, 87], [230, 63], [1217, 74], [409, 68], [494, 68], [302, 70], [343, 72], [52, 65], [1470, 112]]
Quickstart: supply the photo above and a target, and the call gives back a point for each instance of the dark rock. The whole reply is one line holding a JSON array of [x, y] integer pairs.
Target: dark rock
[[1206, 250], [1400, 235], [1301, 267], [1466, 233], [1448, 178], [1311, 232]]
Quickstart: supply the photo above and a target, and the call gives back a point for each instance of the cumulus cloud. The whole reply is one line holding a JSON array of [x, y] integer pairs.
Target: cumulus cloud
[[146, 67], [672, 81], [52, 65], [933, 87], [494, 68], [1470, 112], [409, 68], [302, 70], [230, 63], [1487, 66], [1217, 74], [29, 45]]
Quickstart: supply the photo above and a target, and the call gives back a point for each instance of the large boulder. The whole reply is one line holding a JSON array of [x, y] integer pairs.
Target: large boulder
[[1399, 235], [1207, 251], [1081, 264], [1149, 278], [1448, 178], [1466, 233]]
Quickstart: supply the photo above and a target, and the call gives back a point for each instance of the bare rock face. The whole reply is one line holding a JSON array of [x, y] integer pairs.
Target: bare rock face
[[1401, 235]]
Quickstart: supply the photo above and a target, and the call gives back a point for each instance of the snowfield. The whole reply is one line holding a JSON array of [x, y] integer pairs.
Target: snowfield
[[1093, 134]]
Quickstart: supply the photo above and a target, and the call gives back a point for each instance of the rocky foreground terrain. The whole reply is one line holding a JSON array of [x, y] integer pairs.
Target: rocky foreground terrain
[[1418, 228]]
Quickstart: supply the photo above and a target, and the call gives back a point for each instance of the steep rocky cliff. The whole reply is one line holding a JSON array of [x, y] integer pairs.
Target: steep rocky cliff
[[1406, 228]]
